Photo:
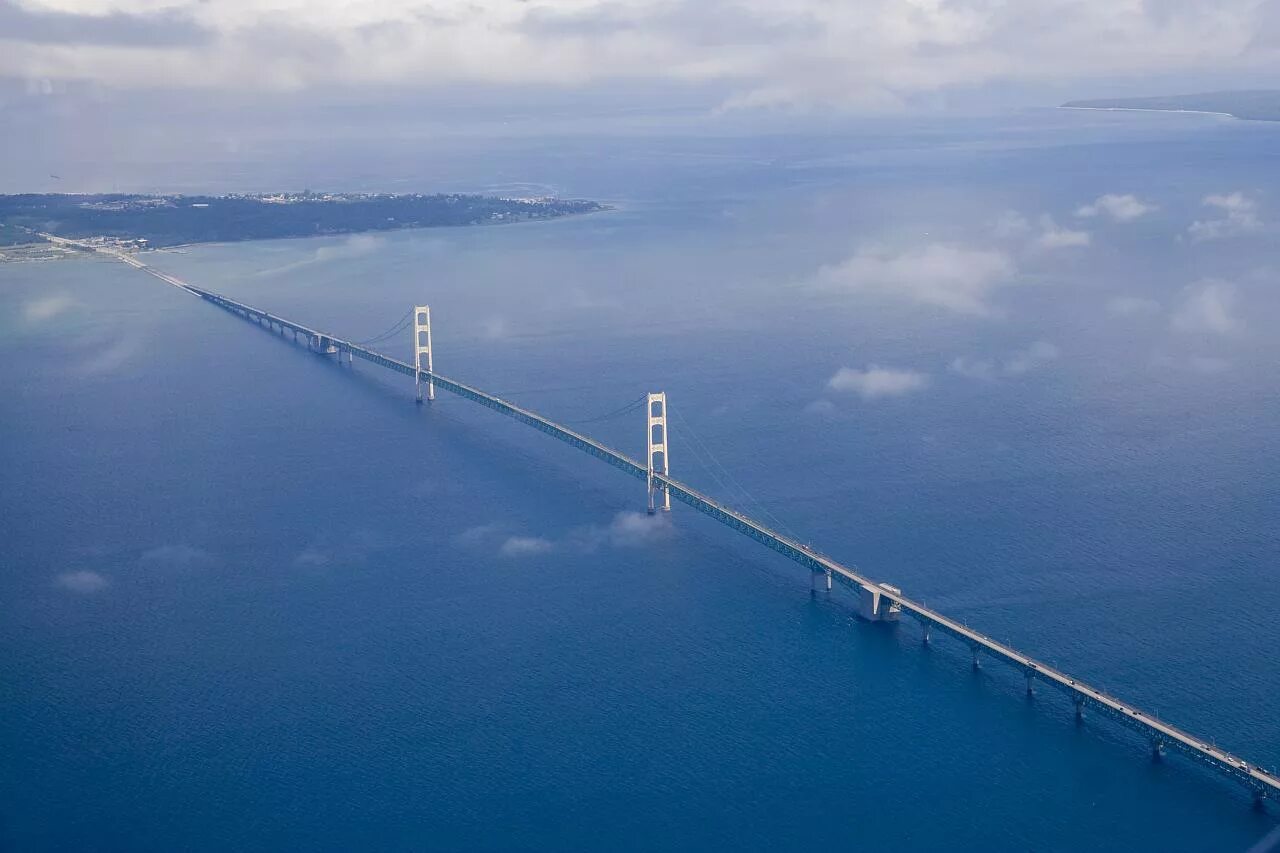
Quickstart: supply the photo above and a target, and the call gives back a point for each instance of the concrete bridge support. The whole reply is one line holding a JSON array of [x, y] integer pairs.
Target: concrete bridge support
[[875, 606]]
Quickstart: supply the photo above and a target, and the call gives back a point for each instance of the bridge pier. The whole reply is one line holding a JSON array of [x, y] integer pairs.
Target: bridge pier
[[977, 664], [875, 606], [1030, 688], [1079, 701], [927, 626], [1157, 749]]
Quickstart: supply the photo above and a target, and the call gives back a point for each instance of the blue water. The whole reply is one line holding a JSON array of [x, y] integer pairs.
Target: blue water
[[253, 600]]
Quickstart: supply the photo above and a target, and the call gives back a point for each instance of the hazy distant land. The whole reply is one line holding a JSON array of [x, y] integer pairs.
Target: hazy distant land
[[1259, 105], [169, 220]]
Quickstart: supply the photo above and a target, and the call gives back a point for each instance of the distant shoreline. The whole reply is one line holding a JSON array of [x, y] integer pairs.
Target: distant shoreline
[[139, 222], [1157, 110], [1242, 105]]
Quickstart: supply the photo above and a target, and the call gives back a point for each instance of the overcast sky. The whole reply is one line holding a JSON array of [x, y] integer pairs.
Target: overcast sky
[[857, 55]]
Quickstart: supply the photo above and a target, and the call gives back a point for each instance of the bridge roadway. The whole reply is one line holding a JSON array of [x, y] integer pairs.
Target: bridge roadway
[[1160, 734]]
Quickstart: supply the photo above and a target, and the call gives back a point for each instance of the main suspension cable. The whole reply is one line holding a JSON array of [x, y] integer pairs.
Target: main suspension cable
[[393, 330]]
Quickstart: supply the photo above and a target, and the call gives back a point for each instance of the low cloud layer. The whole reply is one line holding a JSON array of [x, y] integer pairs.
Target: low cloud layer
[[1054, 236], [1018, 363], [1131, 306], [877, 381], [524, 546], [1208, 307], [46, 308], [625, 530], [958, 278], [1236, 215], [177, 557], [1120, 208], [757, 53], [81, 582]]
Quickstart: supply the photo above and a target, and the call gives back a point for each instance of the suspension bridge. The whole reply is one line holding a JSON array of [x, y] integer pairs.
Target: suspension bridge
[[876, 601]]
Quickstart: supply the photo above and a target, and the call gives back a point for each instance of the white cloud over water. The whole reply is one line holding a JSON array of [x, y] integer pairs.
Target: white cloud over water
[[81, 582], [180, 557], [1131, 306], [1018, 363], [1121, 208], [47, 307], [1054, 236], [874, 381], [627, 529], [958, 278], [525, 546], [1208, 307], [1236, 215]]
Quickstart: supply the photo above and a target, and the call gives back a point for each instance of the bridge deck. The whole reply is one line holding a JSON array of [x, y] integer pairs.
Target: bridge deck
[[1262, 783]]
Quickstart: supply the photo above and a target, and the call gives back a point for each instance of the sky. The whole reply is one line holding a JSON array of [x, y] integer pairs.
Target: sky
[[797, 55], [113, 81]]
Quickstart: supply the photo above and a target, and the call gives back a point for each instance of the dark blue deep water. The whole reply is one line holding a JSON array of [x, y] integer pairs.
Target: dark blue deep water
[[252, 600]]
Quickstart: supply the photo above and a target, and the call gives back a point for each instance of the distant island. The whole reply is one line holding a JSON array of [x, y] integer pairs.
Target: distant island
[[1259, 105], [169, 220]]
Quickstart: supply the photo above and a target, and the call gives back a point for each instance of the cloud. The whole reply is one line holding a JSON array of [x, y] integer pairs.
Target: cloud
[[1238, 217], [1208, 365], [1053, 236], [494, 328], [1016, 363], [820, 407], [1208, 307], [1121, 208], [957, 278], [82, 582], [637, 529], [140, 28], [754, 54], [479, 534], [1024, 361], [47, 307], [107, 355], [627, 529], [1203, 365], [353, 246], [1130, 306], [183, 557], [1010, 224], [525, 546], [337, 547], [312, 556], [877, 381]]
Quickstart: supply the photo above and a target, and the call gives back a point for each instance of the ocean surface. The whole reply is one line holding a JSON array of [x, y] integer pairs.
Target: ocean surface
[[251, 599]]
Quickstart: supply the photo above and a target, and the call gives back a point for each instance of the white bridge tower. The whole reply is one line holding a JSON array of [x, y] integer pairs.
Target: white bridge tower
[[421, 347], [658, 461]]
